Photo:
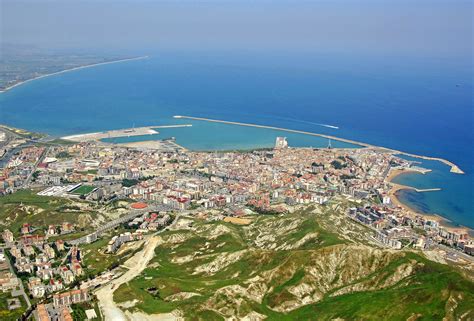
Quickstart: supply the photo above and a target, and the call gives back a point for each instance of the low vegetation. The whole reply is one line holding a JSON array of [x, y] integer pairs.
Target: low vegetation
[[7, 314], [22, 133], [97, 260], [293, 267], [25, 206], [63, 154]]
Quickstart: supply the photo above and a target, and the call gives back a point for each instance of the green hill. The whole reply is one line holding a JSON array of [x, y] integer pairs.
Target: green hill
[[311, 265]]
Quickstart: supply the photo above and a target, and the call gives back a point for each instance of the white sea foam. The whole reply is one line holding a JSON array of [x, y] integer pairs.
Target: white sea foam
[[308, 122], [328, 126]]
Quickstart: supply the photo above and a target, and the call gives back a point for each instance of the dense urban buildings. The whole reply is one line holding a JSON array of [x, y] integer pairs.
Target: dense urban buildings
[[155, 187]]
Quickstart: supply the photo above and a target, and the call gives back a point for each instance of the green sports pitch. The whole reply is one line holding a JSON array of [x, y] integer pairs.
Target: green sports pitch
[[83, 190]]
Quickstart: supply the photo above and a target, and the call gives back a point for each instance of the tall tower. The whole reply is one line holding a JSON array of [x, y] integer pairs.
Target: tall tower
[[281, 142], [329, 143]]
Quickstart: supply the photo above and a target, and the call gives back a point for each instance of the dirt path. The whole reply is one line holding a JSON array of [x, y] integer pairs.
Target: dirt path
[[136, 265]]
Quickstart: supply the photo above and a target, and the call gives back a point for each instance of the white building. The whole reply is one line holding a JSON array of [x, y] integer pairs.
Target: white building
[[281, 142]]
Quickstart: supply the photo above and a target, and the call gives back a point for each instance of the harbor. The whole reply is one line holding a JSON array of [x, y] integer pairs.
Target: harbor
[[165, 145], [117, 133], [454, 168]]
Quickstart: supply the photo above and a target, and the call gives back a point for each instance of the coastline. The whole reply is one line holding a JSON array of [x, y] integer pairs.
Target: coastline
[[454, 168], [70, 69], [442, 221]]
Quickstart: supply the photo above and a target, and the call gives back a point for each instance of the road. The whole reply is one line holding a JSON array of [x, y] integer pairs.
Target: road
[[40, 159], [454, 252], [22, 288], [112, 224], [12, 151], [136, 264]]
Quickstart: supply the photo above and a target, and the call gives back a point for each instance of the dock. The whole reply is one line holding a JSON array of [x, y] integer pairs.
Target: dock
[[158, 145], [454, 168], [276, 128], [418, 190], [127, 132]]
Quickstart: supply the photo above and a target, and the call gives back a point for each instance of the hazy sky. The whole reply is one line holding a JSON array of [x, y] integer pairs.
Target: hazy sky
[[409, 27]]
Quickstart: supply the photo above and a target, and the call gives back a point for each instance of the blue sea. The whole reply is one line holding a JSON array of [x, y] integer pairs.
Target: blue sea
[[415, 104]]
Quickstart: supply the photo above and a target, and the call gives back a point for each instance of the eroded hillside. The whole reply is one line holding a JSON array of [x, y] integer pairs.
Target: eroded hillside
[[310, 265]]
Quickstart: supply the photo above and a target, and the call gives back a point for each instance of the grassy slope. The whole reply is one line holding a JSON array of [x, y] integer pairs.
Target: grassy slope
[[6, 314], [52, 210], [426, 292], [97, 261], [426, 295]]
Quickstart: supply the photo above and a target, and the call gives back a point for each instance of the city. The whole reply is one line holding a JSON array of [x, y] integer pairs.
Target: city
[[118, 195], [236, 160]]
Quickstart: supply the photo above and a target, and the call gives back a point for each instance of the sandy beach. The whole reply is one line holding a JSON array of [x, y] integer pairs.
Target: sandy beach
[[444, 222], [71, 69], [397, 187]]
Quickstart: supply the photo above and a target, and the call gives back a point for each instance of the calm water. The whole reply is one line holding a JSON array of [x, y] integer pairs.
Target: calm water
[[417, 105], [216, 136]]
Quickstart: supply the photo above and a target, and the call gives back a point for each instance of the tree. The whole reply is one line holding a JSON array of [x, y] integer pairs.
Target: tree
[[35, 175], [129, 182], [63, 154], [337, 164]]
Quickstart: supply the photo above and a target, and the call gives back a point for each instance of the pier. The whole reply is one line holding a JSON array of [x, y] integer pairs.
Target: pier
[[127, 132], [397, 187], [454, 168], [276, 128], [426, 190], [166, 145]]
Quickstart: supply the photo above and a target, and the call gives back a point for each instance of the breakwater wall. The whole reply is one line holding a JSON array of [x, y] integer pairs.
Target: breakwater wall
[[454, 168]]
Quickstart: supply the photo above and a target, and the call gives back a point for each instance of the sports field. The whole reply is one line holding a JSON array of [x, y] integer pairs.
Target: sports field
[[83, 190]]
